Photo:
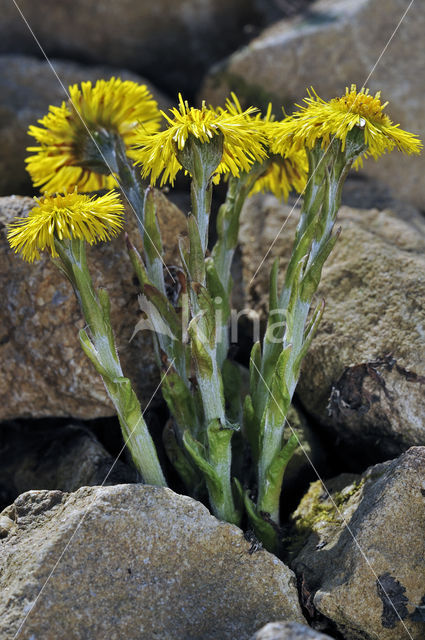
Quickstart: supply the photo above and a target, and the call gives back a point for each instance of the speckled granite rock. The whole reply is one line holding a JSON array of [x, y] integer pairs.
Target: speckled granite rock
[[174, 41], [288, 631], [143, 563], [27, 87], [368, 574], [66, 457], [43, 370], [334, 44], [363, 377]]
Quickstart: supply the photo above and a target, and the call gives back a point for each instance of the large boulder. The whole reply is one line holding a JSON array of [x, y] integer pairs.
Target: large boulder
[[43, 370], [334, 44], [133, 562], [27, 87], [363, 560], [363, 377], [172, 41]]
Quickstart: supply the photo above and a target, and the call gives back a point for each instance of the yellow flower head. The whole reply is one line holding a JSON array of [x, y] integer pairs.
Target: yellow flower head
[[242, 141], [233, 106], [60, 162], [283, 173], [321, 120], [65, 216]]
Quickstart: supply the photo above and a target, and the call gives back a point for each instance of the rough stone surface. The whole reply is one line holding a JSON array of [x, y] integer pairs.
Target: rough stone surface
[[288, 631], [157, 39], [334, 44], [43, 370], [143, 563], [374, 287], [368, 574], [54, 457], [27, 87]]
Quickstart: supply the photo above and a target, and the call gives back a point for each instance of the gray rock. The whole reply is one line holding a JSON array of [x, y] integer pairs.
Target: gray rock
[[363, 377], [43, 370], [175, 41], [27, 87], [334, 44], [66, 457], [363, 562], [288, 631], [144, 558]]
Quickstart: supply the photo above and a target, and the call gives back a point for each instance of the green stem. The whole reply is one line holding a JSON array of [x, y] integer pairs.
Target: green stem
[[213, 453], [314, 241], [201, 160], [228, 228], [214, 461], [201, 193], [99, 346], [142, 203], [220, 455], [228, 220], [128, 178], [227, 240]]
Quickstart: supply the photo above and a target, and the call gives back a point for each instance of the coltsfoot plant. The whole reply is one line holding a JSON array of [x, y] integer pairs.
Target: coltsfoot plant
[[234, 449]]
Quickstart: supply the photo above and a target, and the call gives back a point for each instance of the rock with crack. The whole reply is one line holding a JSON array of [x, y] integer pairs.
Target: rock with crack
[[156, 562], [27, 87], [288, 631], [362, 558], [334, 44], [363, 378], [43, 370]]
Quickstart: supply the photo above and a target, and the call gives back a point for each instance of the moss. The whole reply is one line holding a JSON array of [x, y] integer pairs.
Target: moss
[[315, 508]]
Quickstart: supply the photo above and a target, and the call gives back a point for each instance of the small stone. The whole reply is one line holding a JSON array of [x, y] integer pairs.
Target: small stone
[[155, 561]]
